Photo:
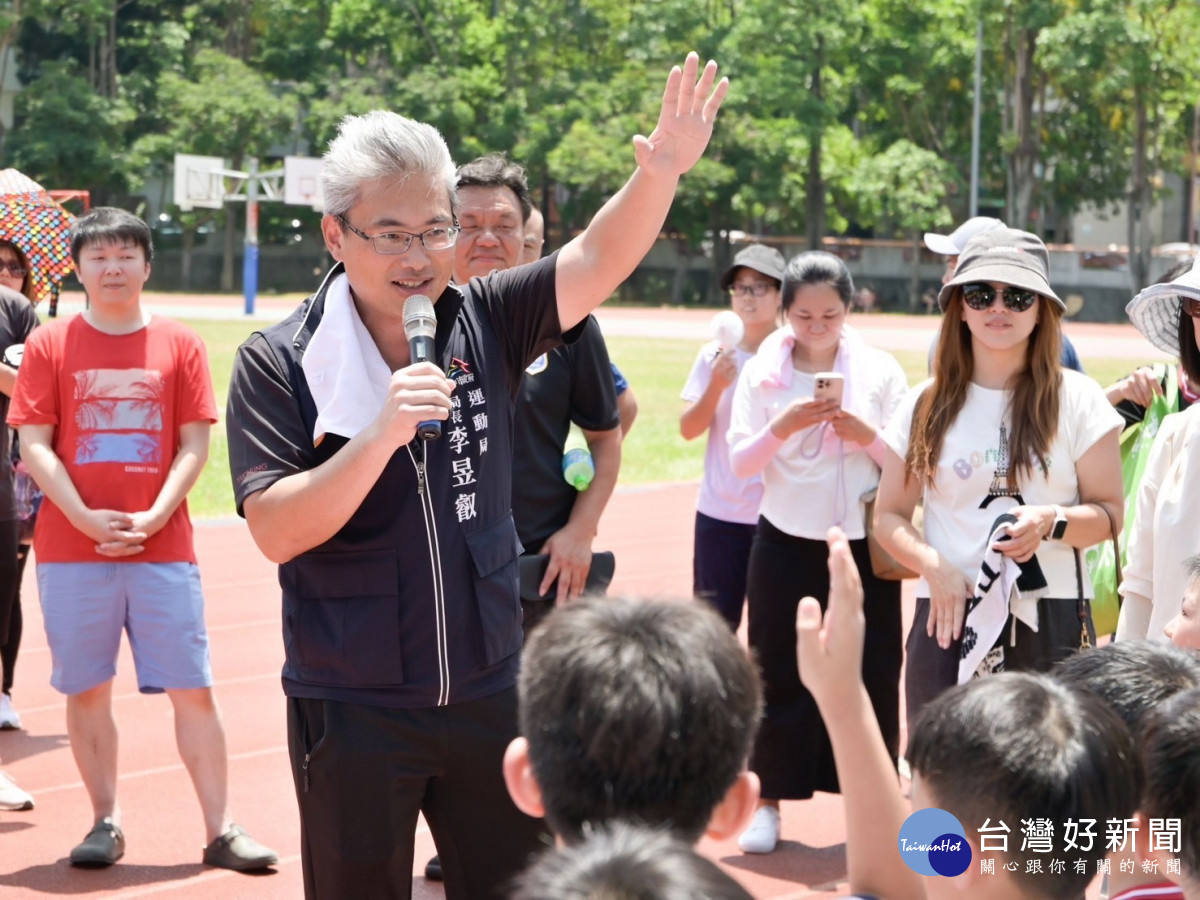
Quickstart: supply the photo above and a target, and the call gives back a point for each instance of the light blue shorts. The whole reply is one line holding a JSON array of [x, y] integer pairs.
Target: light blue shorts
[[86, 606]]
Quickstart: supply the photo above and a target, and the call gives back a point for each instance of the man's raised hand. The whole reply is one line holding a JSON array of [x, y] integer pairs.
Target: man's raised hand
[[685, 122]]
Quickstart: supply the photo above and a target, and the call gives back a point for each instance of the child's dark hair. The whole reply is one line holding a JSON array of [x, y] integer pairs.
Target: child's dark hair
[[1171, 760], [1018, 746], [637, 710], [107, 225], [626, 862], [1132, 677], [816, 267]]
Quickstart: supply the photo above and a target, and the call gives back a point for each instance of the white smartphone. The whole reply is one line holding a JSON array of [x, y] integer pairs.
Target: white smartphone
[[829, 386]]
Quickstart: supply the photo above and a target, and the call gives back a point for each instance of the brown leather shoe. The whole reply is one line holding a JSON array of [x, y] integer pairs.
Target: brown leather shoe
[[102, 847], [238, 851]]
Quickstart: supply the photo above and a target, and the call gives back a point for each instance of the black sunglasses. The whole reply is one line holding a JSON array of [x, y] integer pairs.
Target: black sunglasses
[[980, 296]]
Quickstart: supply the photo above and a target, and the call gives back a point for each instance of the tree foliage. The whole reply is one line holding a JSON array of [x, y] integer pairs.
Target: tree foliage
[[845, 118]]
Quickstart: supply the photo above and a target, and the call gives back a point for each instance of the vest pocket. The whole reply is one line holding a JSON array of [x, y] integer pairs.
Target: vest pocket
[[494, 550], [344, 628]]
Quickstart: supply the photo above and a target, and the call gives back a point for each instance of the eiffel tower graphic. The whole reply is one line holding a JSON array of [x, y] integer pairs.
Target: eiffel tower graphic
[[999, 486]]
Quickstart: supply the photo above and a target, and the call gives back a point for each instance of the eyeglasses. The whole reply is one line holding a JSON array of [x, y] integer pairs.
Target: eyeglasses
[[396, 242], [1191, 307], [753, 289], [13, 268], [981, 296]]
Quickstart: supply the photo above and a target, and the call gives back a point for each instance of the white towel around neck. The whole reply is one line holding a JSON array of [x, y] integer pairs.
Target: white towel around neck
[[346, 373]]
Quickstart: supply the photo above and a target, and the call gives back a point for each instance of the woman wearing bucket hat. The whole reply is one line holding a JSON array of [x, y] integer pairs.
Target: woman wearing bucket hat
[[1000, 428], [727, 507], [1155, 312], [1163, 532], [817, 458]]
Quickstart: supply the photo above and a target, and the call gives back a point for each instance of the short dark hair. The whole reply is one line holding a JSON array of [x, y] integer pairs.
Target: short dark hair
[[1132, 677], [1018, 745], [816, 267], [109, 225], [1171, 759], [640, 710], [497, 170], [627, 862]]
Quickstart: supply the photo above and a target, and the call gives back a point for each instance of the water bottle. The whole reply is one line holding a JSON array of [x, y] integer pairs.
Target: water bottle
[[578, 468]]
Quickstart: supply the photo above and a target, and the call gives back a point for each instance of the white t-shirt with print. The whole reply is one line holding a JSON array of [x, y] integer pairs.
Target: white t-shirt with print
[[723, 495], [804, 497], [967, 494]]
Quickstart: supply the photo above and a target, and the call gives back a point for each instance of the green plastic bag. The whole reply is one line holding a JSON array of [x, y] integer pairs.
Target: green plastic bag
[[1136, 441]]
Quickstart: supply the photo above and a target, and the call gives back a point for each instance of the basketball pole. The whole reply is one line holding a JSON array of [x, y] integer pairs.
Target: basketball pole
[[250, 244]]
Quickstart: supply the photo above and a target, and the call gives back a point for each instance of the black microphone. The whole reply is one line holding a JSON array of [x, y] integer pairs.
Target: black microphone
[[420, 325]]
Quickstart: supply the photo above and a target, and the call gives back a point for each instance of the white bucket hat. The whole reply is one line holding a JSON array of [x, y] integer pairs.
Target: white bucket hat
[[1155, 311]]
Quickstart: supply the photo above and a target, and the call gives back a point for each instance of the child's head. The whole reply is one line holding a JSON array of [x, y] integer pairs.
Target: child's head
[[1184, 629], [1171, 760], [627, 862], [109, 226], [1022, 746], [1132, 677], [639, 710]]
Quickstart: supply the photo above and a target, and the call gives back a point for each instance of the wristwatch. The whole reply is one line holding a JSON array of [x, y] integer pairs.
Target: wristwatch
[[1059, 528]]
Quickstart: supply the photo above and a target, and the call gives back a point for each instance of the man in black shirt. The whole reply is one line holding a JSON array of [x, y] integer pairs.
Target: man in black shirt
[[570, 383], [398, 557]]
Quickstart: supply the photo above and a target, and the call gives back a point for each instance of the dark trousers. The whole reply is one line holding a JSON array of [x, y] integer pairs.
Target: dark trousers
[[932, 670], [720, 563], [12, 565], [792, 755], [362, 775]]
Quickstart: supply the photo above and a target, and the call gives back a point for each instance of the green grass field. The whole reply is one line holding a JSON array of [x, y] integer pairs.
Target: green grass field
[[653, 453]]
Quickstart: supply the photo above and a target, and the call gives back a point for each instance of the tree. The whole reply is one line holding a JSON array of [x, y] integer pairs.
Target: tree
[[68, 135], [242, 117], [905, 186]]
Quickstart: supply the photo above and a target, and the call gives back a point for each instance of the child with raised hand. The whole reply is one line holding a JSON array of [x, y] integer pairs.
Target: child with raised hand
[[1008, 747]]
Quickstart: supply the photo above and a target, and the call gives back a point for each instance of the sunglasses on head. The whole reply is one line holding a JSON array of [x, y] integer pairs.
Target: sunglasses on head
[[980, 296]]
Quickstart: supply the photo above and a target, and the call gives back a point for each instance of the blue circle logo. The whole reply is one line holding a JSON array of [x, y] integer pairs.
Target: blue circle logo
[[933, 842]]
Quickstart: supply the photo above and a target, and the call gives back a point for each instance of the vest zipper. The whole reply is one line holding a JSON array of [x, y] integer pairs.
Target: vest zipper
[[435, 563]]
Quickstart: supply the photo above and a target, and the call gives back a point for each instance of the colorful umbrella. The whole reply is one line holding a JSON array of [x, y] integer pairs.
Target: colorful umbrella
[[35, 222]]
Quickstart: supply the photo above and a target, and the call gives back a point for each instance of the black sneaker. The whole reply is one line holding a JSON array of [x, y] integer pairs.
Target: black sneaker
[[433, 869], [102, 847]]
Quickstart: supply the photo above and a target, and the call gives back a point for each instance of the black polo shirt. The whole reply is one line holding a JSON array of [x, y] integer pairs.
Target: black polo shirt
[[413, 603], [573, 383]]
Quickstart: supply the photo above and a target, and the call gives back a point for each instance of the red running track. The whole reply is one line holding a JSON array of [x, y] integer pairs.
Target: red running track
[[649, 528]]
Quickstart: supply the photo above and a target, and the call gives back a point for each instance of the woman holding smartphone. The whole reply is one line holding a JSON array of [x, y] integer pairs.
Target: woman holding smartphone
[[1000, 428], [817, 458]]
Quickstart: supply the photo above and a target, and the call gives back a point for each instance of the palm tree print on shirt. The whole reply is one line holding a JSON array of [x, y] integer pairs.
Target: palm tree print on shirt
[[119, 414]]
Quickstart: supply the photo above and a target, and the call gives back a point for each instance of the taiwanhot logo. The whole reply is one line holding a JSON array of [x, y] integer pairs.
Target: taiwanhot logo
[[933, 842]]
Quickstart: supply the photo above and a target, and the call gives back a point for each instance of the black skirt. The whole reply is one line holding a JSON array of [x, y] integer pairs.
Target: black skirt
[[792, 756]]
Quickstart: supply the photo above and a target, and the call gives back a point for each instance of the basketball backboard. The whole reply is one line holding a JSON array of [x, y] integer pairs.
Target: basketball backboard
[[199, 181], [302, 181]]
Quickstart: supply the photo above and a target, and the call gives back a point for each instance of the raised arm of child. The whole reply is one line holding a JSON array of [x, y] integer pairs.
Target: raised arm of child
[[830, 656]]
